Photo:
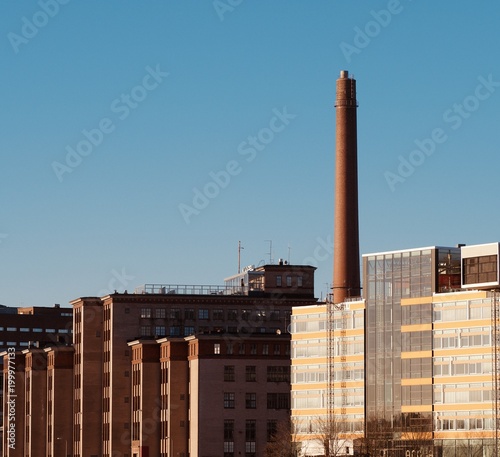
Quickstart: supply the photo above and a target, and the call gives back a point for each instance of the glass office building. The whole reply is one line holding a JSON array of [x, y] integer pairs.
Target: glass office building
[[416, 363], [388, 278]]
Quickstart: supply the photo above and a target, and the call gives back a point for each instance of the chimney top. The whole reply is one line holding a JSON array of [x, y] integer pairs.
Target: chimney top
[[344, 74]]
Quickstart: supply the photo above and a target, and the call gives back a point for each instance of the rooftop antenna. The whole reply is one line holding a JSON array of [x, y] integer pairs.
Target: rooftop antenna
[[270, 251], [240, 247], [289, 249]]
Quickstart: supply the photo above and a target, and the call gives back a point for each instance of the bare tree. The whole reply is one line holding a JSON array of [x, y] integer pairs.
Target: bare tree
[[283, 442], [416, 433], [377, 439], [469, 447], [331, 435]]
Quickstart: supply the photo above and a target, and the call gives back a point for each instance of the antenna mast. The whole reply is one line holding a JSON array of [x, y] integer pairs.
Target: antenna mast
[[240, 247], [270, 251]]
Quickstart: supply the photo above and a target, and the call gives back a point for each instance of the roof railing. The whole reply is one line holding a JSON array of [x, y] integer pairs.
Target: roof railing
[[183, 289]]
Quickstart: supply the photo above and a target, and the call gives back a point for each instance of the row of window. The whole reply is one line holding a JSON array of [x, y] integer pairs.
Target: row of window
[[463, 368], [274, 373], [187, 330], [13, 343], [315, 399], [468, 396], [250, 430], [274, 400], [215, 314], [288, 279], [311, 424], [446, 342], [444, 339], [250, 437], [345, 346], [345, 321], [252, 349], [462, 310], [35, 330], [481, 269], [471, 423]]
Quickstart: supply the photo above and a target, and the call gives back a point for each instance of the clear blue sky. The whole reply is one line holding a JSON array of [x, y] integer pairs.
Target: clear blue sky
[[112, 113]]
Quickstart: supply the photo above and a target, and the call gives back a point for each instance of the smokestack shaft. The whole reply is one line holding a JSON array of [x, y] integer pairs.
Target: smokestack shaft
[[346, 274]]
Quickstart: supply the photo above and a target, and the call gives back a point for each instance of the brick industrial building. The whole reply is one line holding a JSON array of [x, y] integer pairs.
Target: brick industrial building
[[119, 334], [209, 395], [34, 326]]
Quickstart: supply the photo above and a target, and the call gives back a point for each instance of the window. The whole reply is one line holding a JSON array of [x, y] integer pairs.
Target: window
[[11, 329], [278, 374], [242, 348], [188, 331], [145, 330], [272, 427], [289, 281], [160, 313], [229, 348], [251, 373], [218, 315], [145, 313], [232, 315], [480, 269], [228, 448], [299, 281], [250, 400], [278, 281], [250, 449], [229, 400], [160, 330], [174, 313], [24, 329], [228, 430], [278, 401], [250, 436], [229, 375], [174, 330], [216, 348], [253, 349], [275, 315], [277, 349], [202, 313], [189, 314], [265, 349]]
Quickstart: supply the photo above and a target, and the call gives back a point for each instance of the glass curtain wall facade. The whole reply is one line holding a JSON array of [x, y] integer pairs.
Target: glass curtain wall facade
[[388, 278]]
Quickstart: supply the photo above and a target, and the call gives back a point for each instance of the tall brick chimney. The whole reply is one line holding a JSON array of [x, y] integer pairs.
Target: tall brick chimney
[[346, 275]]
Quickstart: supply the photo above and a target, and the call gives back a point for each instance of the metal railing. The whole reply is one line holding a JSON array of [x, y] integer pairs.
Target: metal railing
[[183, 289]]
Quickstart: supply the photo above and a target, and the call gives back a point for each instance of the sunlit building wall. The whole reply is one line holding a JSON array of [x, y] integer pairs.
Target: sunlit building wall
[[311, 376], [447, 365]]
